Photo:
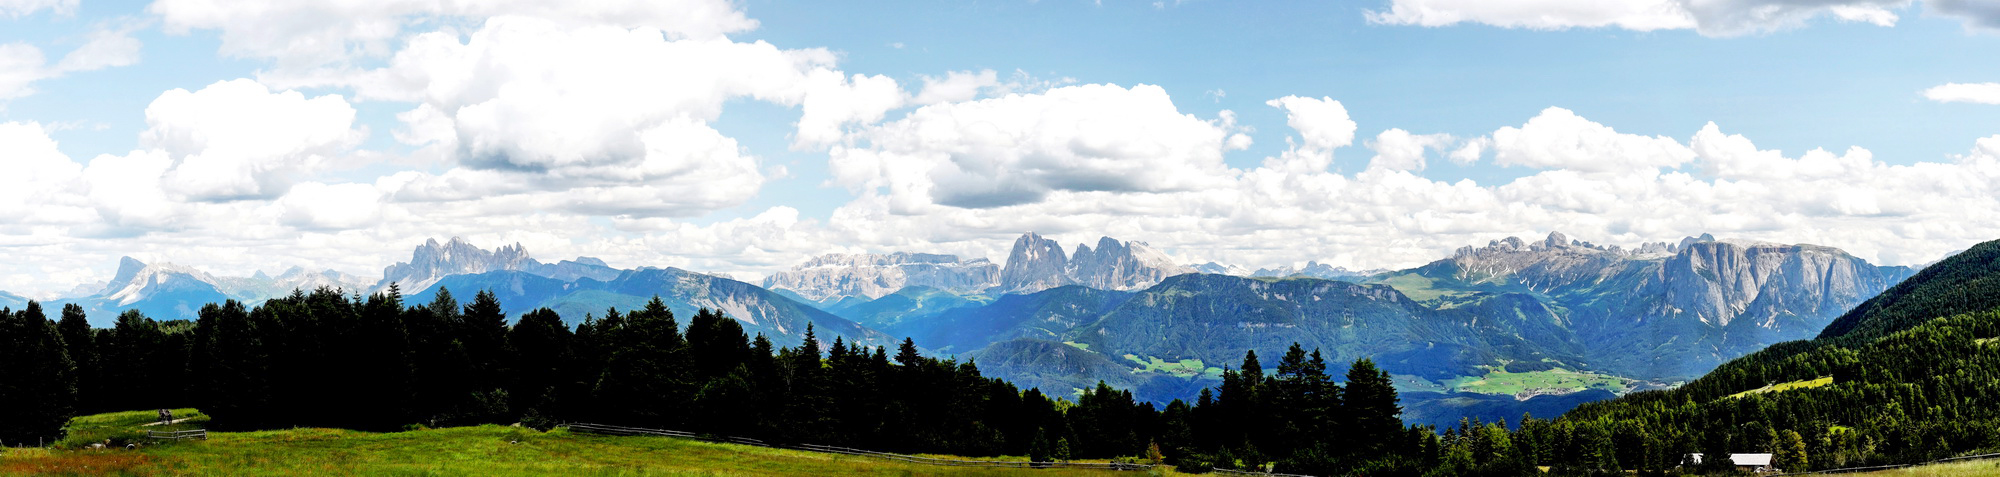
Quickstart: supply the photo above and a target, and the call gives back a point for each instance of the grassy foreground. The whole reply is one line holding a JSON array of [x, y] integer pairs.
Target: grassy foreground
[[484, 450], [1949, 469]]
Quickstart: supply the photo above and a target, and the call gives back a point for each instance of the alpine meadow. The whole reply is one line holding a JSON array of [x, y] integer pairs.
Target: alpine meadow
[[1422, 238]]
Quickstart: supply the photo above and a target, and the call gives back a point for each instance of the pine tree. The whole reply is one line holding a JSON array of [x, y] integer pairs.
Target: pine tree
[[543, 362], [1370, 403], [1790, 452], [80, 342]]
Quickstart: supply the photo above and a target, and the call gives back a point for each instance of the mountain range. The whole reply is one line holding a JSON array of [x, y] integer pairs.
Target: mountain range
[[1512, 325]]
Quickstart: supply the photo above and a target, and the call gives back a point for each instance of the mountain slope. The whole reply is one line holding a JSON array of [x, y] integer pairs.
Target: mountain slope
[[1964, 283], [1215, 318], [1888, 387], [684, 292], [912, 304], [1663, 311], [1048, 315]]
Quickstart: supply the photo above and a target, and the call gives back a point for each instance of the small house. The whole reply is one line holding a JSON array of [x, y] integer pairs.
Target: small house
[[1759, 463]]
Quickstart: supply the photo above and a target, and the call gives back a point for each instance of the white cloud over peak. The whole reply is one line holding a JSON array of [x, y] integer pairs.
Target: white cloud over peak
[[1019, 148], [1718, 18], [237, 139], [1559, 139], [1982, 93]]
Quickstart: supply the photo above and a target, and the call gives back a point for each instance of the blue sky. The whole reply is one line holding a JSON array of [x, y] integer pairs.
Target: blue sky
[[744, 137]]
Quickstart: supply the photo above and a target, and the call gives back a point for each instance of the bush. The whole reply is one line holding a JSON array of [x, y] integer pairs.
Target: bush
[[1190, 463]]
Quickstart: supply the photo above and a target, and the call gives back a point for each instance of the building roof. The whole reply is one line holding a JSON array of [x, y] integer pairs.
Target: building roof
[[1743, 460]]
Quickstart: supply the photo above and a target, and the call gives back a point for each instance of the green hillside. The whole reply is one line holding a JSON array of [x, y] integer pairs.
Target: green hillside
[[1965, 283]]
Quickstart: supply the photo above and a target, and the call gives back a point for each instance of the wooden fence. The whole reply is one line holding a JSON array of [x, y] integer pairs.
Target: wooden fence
[[187, 434], [638, 431]]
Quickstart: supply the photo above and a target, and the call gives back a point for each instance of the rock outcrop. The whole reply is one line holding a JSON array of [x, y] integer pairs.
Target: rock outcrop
[[1117, 265], [835, 276], [1038, 263], [1034, 265]]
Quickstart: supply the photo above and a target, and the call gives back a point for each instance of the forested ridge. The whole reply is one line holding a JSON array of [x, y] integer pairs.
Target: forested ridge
[[1904, 390]]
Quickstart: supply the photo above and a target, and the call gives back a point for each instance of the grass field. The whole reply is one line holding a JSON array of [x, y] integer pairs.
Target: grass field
[[1184, 368], [484, 450], [1951, 469], [1787, 386], [1555, 381]]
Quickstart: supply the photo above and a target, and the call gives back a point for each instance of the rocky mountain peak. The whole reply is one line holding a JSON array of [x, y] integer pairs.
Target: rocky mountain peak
[[1120, 265], [432, 261], [128, 268], [1035, 264]]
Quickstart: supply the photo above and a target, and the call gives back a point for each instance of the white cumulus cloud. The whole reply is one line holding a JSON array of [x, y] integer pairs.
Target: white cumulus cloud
[[1021, 147], [1558, 138], [22, 8], [306, 35], [237, 139], [1720, 18], [1982, 93]]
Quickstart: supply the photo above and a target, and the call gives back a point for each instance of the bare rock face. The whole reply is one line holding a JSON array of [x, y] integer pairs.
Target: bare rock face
[[432, 261], [1116, 265], [1037, 264], [1034, 265], [1690, 304], [835, 276]]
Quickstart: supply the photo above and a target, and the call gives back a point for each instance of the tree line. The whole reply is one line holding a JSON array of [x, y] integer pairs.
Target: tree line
[[327, 359], [330, 359]]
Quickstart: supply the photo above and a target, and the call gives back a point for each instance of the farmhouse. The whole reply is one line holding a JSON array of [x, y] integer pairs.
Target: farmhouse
[[1759, 463]]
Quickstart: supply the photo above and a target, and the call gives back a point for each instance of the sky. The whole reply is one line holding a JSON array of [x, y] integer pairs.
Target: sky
[[744, 137]]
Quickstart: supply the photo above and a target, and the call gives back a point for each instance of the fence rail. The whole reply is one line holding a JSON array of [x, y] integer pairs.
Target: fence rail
[[640, 431], [1263, 474], [1850, 470], [187, 434]]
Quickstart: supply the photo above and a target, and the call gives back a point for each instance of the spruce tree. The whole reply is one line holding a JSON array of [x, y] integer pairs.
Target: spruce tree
[[80, 342], [1370, 405]]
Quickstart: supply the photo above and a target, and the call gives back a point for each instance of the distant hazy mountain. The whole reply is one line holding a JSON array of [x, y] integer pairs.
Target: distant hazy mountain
[[163, 291], [757, 309], [1313, 270], [169, 291], [832, 277], [909, 305], [433, 261], [10, 300], [1213, 268]]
